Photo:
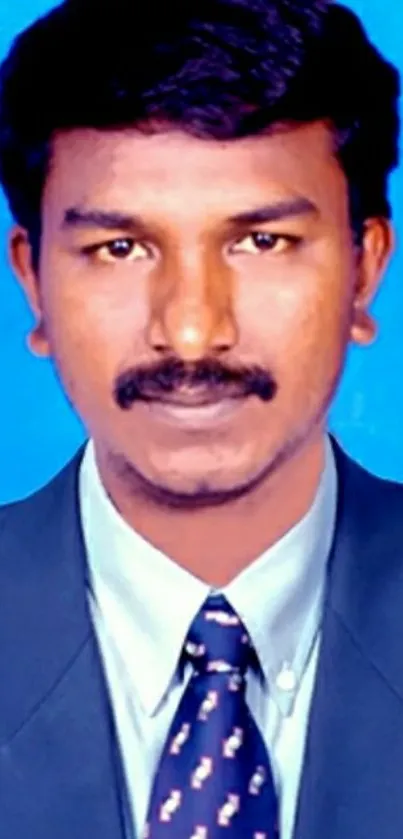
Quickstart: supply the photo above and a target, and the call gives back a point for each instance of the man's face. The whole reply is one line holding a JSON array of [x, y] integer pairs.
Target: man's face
[[233, 259]]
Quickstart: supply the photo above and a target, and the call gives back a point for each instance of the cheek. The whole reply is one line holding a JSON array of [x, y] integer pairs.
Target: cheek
[[300, 316], [94, 328]]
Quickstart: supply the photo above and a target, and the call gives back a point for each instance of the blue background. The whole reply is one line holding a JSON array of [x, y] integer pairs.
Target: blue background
[[39, 431]]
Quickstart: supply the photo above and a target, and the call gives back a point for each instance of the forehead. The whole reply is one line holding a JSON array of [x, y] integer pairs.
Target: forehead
[[175, 173]]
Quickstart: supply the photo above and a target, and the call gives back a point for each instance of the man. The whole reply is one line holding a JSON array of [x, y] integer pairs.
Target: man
[[201, 616]]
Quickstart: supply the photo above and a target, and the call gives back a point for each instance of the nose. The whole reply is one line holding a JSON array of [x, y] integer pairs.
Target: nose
[[191, 312]]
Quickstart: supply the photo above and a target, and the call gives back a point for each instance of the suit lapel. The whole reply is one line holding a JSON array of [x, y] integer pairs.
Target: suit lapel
[[59, 770], [58, 757], [352, 779]]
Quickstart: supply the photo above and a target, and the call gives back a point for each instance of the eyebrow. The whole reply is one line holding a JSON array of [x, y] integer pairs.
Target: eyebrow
[[74, 217], [114, 220], [288, 208]]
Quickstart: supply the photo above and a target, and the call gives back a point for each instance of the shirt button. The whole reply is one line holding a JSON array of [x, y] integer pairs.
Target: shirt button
[[286, 679]]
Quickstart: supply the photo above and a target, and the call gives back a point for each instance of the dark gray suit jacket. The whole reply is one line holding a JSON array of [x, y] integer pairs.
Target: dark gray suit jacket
[[60, 771]]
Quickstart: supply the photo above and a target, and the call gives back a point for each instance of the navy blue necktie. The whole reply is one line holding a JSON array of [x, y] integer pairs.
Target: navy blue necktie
[[214, 780]]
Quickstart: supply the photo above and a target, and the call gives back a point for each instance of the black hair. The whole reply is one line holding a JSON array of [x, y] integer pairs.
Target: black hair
[[216, 68]]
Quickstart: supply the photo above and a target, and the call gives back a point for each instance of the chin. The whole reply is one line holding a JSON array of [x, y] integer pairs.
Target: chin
[[198, 475], [201, 490]]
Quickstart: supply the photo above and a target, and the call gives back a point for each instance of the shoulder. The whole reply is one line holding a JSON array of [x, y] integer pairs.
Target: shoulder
[[376, 501], [373, 500], [26, 522]]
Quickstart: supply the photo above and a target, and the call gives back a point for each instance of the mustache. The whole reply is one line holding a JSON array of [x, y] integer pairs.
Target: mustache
[[156, 382]]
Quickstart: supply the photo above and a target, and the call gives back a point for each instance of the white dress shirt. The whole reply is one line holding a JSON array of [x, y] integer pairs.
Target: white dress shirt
[[143, 604]]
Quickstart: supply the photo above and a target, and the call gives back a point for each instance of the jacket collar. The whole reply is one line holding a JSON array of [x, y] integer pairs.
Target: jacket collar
[[57, 744], [60, 771], [351, 779]]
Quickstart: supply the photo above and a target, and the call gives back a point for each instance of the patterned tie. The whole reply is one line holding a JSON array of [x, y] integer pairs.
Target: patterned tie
[[214, 779]]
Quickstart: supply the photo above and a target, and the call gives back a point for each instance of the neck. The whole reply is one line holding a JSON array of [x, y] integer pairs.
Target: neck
[[216, 543]]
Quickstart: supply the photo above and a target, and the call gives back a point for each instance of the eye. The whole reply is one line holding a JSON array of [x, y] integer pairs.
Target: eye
[[118, 250], [260, 242]]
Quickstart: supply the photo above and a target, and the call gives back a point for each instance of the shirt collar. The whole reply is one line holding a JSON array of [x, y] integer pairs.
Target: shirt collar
[[279, 597], [149, 602]]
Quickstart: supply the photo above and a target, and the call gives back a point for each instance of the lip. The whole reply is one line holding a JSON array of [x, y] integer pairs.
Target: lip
[[197, 415], [196, 398]]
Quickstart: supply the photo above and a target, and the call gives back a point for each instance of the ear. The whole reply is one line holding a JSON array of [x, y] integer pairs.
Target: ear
[[21, 259], [374, 255]]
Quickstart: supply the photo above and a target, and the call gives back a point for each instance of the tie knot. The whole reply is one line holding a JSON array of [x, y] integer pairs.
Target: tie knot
[[218, 641]]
